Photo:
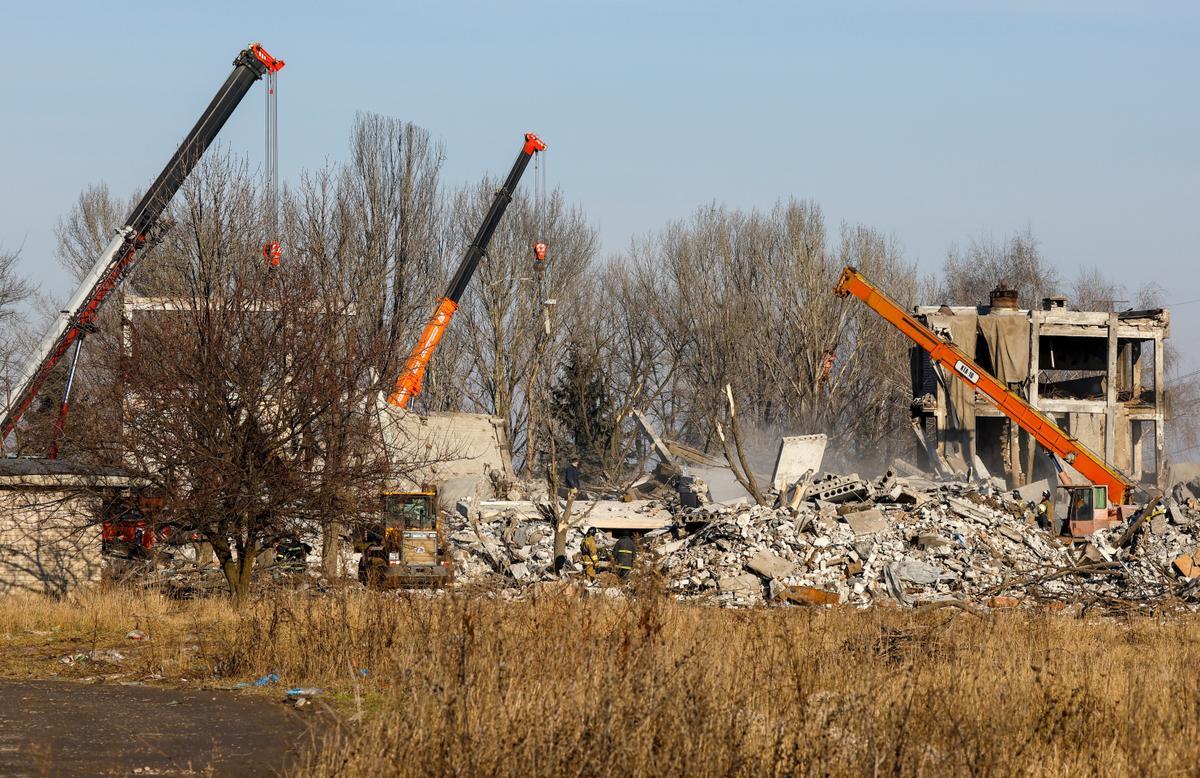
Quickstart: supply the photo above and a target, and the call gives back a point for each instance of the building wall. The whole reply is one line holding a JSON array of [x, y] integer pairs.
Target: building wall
[[46, 543], [1099, 375]]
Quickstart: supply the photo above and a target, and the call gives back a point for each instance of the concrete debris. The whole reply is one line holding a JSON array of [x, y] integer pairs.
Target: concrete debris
[[867, 522], [745, 585], [916, 571], [769, 565], [911, 540], [798, 456], [839, 489], [511, 542], [906, 538]]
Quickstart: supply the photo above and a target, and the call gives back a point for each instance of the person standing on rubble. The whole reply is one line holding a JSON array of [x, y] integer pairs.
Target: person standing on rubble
[[1045, 513], [623, 554], [589, 553], [571, 479]]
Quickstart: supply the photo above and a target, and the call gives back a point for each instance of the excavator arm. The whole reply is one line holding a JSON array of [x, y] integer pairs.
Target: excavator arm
[[408, 385], [1040, 426], [123, 252]]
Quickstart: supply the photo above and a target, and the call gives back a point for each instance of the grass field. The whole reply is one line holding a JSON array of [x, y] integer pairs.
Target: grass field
[[562, 685]]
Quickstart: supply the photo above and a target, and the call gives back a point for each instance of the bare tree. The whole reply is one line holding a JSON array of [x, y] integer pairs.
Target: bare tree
[[14, 292], [744, 302], [389, 207], [89, 227], [969, 274], [504, 313], [1092, 290], [247, 393]]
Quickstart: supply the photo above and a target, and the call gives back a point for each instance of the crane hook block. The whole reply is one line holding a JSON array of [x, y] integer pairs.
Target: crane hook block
[[539, 251], [273, 253]]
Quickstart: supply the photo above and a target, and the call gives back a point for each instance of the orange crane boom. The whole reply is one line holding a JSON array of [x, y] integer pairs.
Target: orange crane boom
[[1052, 437], [408, 385]]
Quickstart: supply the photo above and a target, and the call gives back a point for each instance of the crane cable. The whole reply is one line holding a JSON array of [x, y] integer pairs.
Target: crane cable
[[539, 210], [272, 252]]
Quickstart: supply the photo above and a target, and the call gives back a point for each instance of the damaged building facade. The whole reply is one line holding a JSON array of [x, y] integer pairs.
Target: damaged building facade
[[1099, 375]]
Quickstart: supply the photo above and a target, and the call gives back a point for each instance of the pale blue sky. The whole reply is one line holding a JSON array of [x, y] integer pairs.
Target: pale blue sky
[[935, 122]]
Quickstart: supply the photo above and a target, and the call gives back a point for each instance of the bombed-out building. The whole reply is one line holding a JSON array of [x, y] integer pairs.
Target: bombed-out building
[[1098, 374]]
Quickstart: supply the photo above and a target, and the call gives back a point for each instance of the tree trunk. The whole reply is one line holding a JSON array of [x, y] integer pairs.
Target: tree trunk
[[750, 482], [237, 576], [560, 530], [330, 534]]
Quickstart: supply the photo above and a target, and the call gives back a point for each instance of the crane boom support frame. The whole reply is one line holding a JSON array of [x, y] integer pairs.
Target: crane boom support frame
[[1043, 429]]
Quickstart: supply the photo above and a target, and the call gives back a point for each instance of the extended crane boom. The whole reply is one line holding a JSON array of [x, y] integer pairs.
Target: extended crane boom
[[122, 252], [1041, 427], [408, 385]]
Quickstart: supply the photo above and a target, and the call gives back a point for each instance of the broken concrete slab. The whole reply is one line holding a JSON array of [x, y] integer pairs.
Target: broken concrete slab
[[868, 522], [930, 541], [969, 510], [915, 571], [840, 489], [1011, 533], [770, 565], [744, 584], [798, 456], [443, 446], [894, 587], [1033, 492], [723, 486], [906, 469], [979, 470]]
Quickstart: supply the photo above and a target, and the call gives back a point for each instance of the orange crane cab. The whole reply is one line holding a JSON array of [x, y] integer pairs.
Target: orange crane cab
[[1094, 505]]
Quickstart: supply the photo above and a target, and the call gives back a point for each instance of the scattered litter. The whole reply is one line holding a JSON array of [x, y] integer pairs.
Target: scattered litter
[[266, 680], [110, 655], [303, 692]]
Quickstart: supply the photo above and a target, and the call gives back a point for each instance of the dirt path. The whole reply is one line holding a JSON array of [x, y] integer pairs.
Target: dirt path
[[74, 729]]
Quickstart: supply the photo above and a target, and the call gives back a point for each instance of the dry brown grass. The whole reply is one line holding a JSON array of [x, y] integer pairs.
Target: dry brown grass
[[559, 685]]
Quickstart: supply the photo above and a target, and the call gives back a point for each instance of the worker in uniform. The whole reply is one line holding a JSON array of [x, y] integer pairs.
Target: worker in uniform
[[623, 553], [292, 554], [589, 554], [1045, 513]]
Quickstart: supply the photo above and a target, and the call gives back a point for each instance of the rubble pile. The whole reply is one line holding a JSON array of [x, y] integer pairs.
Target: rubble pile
[[845, 539], [506, 546], [909, 540], [513, 541]]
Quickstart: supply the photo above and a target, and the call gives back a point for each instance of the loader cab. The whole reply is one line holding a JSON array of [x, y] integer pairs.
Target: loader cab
[[406, 549]]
